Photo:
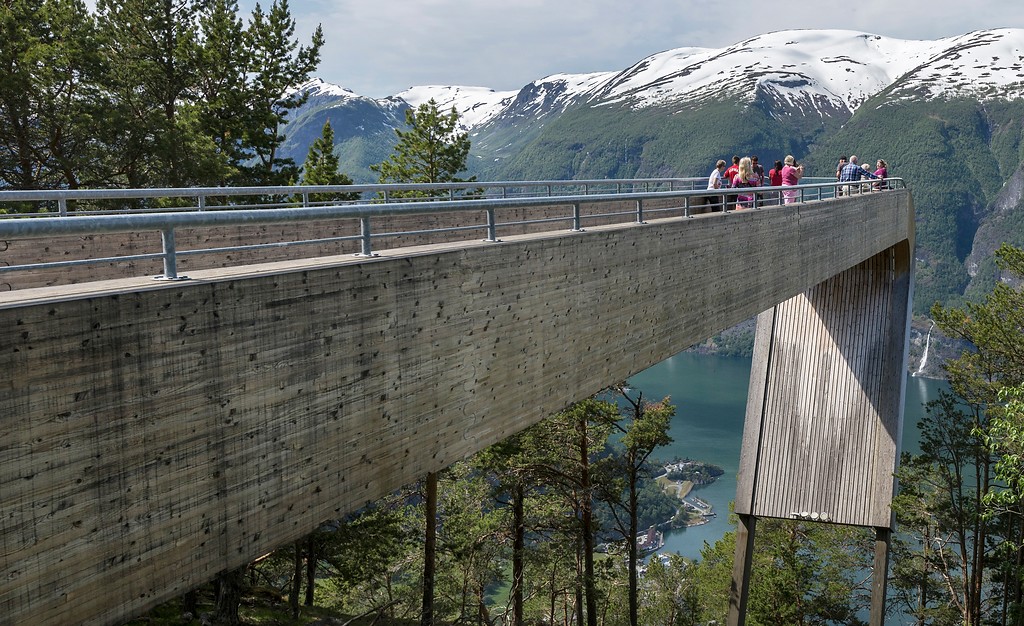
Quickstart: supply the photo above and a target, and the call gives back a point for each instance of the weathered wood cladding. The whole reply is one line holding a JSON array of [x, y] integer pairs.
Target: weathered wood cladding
[[153, 434], [824, 412]]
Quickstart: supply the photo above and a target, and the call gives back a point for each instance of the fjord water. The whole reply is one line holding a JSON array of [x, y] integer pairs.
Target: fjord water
[[710, 396]]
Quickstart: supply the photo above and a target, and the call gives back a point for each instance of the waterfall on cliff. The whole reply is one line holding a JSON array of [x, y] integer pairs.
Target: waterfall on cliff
[[924, 357]]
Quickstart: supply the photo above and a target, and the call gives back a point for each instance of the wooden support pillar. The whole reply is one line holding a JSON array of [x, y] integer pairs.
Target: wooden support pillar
[[740, 588], [824, 421], [880, 576]]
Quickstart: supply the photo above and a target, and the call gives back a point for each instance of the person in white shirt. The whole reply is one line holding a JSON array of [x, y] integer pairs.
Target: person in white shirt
[[706, 204]]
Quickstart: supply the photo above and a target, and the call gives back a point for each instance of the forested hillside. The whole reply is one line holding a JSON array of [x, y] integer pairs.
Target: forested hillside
[[615, 142], [957, 156]]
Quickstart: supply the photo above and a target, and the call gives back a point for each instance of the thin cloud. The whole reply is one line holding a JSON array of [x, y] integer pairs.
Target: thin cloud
[[380, 47]]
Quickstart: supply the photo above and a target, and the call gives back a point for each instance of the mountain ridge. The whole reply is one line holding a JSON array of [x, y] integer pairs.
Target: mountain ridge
[[824, 62], [808, 77]]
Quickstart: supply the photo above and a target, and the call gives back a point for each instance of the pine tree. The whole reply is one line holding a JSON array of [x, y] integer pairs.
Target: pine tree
[[225, 60], [48, 66], [278, 63], [146, 93], [643, 428], [151, 51], [967, 557], [431, 150], [321, 168]]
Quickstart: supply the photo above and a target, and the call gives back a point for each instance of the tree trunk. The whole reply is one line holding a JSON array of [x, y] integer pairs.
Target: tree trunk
[[429, 549], [483, 615], [587, 523], [578, 604], [293, 595], [1018, 587], [633, 530], [190, 603], [229, 596], [312, 556], [518, 551]]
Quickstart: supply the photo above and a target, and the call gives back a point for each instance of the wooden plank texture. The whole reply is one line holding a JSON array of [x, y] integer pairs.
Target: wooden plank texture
[[824, 413]]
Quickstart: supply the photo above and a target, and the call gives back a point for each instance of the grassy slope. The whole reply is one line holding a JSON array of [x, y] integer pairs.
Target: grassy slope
[[612, 142]]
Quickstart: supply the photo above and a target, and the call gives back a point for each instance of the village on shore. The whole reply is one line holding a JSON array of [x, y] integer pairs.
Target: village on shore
[[678, 479]]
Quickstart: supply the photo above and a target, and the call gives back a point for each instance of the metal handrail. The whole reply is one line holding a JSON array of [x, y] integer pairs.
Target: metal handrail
[[168, 222], [299, 195]]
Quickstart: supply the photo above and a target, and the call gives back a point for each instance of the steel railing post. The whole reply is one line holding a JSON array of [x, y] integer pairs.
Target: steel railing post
[[639, 211], [364, 237], [170, 256], [492, 227], [202, 203], [577, 220], [62, 207]]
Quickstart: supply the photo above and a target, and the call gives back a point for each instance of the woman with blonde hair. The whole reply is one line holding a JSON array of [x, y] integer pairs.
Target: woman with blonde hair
[[745, 177], [791, 173]]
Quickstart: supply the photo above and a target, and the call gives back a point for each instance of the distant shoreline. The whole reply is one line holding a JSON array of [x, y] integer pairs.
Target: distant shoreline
[[684, 516]]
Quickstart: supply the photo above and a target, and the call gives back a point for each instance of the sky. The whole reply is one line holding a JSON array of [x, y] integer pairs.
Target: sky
[[378, 48]]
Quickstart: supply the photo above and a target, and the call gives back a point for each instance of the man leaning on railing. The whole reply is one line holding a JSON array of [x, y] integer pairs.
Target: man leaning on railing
[[853, 172]]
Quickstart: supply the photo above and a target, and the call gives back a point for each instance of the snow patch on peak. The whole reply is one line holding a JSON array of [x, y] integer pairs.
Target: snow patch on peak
[[981, 64], [575, 83], [827, 71], [843, 67], [320, 87], [476, 105]]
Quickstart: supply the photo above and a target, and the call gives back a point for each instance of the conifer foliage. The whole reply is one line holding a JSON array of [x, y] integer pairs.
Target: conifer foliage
[[961, 559], [430, 150], [144, 93], [321, 168]]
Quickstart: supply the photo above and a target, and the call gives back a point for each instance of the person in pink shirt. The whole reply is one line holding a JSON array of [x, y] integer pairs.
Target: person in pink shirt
[[791, 174], [745, 177], [881, 172]]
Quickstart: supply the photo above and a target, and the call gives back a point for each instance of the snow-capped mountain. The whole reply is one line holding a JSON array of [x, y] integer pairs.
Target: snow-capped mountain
[[823, 71], [476, 105], [984, 65], [808, 73]]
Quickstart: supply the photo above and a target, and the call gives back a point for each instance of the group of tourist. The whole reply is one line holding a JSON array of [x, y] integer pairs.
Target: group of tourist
[[850, 171], [746, 172]]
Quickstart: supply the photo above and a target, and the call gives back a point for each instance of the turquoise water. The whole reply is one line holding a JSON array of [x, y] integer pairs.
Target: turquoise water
[[710, 395]]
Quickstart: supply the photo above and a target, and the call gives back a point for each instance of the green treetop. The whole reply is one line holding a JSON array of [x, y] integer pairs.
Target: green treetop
[[321, 168], [431, 150]]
